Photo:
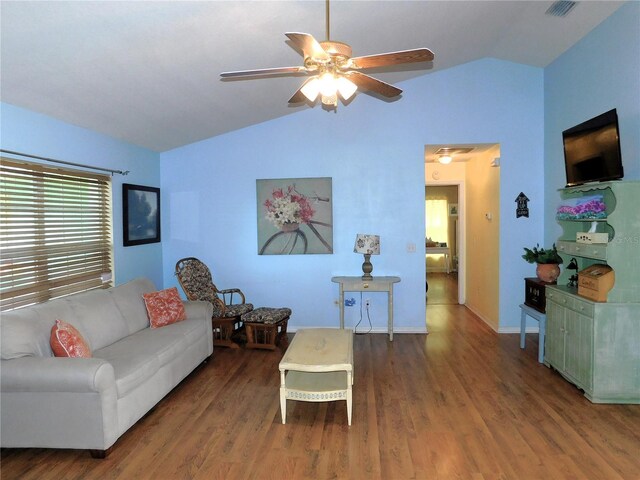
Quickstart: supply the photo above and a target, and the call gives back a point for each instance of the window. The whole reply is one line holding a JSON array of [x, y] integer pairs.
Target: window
[[437, 220], [55, 232]]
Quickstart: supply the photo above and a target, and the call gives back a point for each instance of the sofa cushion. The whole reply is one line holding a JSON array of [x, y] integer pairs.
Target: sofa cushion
[[97, 318], [128, 298], [27, 331], [164, 307], [66, 341], [101, 316], [138, 357]]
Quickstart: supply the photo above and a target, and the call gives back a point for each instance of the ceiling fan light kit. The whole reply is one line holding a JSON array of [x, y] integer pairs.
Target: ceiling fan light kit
[[334, 71], [328, 86]]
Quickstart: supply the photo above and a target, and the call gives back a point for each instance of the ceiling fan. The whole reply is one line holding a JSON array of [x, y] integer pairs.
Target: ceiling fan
[[334, 71]]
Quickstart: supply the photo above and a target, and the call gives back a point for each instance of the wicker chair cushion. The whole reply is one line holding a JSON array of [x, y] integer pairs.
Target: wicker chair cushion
[[196, 279], [266, 315]]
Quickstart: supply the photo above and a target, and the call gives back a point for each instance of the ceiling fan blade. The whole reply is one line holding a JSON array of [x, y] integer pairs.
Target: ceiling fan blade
[[264, 71], [299, 97], [365, 82], [393, 58], [309, 45]]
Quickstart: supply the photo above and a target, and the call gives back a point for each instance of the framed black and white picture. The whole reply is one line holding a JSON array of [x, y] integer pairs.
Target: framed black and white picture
[[141, 214]]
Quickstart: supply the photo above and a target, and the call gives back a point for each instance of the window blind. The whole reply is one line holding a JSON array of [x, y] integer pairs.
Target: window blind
[[55, 232]]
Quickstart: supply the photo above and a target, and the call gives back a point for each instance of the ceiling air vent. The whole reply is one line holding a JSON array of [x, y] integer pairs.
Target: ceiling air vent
[[560, 8]]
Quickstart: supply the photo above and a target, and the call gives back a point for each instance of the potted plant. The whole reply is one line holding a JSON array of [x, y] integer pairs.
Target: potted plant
[[547, 260]]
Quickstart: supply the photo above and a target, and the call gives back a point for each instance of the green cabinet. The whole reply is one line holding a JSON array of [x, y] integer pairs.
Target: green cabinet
[[596, 345], [554, 336], [569, 339], [579, 349]]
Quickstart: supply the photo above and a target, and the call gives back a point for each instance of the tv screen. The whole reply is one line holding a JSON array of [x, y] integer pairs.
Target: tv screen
[[592, 150]]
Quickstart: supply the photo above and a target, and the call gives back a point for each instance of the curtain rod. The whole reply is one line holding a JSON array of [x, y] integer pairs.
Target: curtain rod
[[112, 172]]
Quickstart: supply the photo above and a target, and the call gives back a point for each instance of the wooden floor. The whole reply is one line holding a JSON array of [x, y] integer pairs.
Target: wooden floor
[[460, 403], [443, 288]]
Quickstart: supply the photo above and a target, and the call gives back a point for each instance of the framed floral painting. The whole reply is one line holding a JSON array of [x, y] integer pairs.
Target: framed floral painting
[[294, 216]]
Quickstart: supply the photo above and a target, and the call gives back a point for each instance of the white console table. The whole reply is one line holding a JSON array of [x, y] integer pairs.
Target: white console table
[[377, 284], [446, 251]]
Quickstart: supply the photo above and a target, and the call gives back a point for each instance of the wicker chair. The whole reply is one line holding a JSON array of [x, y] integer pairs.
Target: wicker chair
[[197, 283]]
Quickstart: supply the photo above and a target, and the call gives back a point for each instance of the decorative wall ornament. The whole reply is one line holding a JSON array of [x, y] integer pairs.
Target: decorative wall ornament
[[141, 214], [294, 216], [522, 208]]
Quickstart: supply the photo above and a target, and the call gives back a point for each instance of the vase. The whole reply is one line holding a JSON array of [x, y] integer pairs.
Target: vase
[[289, 227], [548, 272]]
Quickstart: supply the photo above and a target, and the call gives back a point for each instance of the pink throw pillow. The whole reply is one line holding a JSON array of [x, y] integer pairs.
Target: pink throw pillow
[[66, 341], [164, 307]]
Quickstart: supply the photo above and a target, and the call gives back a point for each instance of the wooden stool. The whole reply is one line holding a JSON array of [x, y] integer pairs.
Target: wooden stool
[[542, 320], [266, 327]]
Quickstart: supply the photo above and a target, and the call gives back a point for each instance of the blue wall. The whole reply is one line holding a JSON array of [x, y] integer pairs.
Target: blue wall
[[599, 73], [374, 152], [29, 132]]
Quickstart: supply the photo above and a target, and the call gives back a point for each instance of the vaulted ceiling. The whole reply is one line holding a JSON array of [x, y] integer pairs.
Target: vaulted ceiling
[[148, 72]]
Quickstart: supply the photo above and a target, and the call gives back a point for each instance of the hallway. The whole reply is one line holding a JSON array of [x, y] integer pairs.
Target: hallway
[[443, 288]]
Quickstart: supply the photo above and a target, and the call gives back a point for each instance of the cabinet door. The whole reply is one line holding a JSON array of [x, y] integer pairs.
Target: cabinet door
[[578, 353], [554, 337]]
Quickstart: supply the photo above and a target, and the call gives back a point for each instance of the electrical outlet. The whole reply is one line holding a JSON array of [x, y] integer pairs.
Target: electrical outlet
[[367, 302]]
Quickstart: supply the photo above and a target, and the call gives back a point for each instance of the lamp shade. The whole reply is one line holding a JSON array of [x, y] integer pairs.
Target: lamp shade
[[311, 89], [367, 244]]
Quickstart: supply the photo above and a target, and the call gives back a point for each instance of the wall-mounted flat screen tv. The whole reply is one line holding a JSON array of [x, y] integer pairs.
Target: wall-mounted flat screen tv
[[592, 150]]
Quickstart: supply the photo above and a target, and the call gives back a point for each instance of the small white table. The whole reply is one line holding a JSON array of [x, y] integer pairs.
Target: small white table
[[542, 320], [377, 284], [446, 251], [317, 367]]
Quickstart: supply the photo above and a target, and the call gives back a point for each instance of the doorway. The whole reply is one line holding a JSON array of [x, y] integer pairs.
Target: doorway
[[442, 240], [475, 169]]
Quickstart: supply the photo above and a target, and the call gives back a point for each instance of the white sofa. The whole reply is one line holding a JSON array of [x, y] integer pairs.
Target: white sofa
[[88, 403]]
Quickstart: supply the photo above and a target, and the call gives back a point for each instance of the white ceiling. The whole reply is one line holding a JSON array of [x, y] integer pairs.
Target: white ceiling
[[148, 72]]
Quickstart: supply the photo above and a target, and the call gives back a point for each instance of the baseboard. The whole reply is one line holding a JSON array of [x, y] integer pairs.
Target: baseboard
[[505, 330], [361, 329], [517, 330], [481, 317]]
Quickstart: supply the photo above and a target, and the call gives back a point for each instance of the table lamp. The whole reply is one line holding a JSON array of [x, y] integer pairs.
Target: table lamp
[[367, 245]]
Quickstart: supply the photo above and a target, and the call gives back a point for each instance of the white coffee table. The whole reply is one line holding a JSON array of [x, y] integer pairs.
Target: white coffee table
[[317, 367]]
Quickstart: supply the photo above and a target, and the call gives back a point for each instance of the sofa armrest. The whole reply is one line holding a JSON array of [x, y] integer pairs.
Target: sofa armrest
[[198, 309], [53, 374], [50, 402]]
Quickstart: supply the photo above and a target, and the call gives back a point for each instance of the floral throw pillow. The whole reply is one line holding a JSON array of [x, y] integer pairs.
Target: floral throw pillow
[[66, 341], [164, 307]]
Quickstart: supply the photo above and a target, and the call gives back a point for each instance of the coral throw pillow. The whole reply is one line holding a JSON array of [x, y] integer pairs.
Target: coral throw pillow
[[164, 307], [66, 341]]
